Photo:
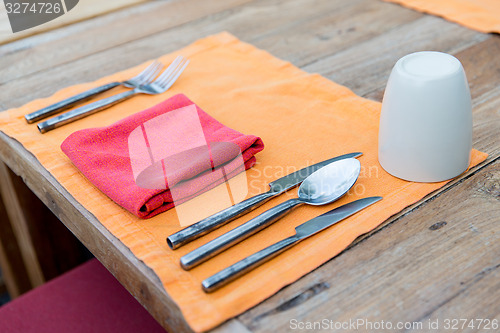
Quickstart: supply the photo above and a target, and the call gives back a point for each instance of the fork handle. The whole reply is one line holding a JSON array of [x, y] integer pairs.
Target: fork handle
[[83, 111], [68, 103]]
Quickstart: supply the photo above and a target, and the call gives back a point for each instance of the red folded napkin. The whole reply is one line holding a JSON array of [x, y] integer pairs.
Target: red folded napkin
[[139, 160]]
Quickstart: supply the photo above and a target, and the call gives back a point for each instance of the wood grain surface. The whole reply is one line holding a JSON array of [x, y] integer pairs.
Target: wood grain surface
[[438, 259], [87, 9], [15, 278], [20, 228]]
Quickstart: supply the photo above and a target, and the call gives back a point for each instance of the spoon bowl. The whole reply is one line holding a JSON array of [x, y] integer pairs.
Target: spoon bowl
[[323, 186], [330, 182]]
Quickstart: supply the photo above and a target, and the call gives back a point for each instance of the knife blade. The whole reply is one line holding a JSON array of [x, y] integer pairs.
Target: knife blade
[[302, 232], [221, 218]]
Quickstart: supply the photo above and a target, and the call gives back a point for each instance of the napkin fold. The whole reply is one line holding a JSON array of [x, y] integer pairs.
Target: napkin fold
[[154, 159], [480, 15]]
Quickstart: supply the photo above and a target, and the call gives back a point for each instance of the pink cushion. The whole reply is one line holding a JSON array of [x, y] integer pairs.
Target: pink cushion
[[86, 299]]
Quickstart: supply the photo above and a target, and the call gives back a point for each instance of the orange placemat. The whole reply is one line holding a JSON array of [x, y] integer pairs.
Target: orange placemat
[[302, 118], [480, 15]]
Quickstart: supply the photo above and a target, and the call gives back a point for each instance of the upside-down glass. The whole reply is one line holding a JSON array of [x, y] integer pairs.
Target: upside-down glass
[[425, 132]]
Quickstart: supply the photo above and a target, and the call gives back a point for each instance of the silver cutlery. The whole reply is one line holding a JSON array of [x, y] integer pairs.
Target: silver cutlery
[[302, 232], [221, 218], [161, 84], [322, 187], [147, 75]]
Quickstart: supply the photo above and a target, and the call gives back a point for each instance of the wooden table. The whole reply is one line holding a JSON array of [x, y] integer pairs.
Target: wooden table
[[438, 259]]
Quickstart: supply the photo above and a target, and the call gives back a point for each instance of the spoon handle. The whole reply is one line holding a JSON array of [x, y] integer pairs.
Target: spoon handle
[[221, 243], [217, 220]]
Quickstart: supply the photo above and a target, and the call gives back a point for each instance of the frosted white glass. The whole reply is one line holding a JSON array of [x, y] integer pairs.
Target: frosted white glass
[[425, 132]]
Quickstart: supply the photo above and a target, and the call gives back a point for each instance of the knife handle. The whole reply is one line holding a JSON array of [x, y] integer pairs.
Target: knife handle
[[68, 102], [221, 243], [217, 220], [243, 266]]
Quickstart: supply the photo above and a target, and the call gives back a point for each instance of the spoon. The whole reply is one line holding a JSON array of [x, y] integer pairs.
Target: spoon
[[322, 187]]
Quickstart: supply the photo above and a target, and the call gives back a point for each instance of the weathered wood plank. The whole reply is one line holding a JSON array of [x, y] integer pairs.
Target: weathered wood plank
[[132, 273], [57, 250], [84, 10], [485, 288], [20, 227], [482, 66], [231, 326], [487, 126], [479, 65], [450, 36], [14, 273], [366, 67], [241, 20], [278, 39], [97, 35], [421, 267], [335, 30], [483, 74]]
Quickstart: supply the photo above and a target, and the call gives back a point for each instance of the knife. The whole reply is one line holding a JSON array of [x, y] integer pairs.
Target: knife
[[302, 232], [221, 218]]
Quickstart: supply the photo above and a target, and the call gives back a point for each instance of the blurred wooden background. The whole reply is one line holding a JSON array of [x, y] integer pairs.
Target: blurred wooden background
[[46, 247]]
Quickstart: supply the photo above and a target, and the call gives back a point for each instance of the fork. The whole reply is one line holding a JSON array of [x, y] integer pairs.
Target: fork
[[158, 86], [147, 75]]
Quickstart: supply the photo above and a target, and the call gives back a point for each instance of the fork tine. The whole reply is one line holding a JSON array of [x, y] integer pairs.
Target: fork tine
[[152, 73], [161, 80], [146, 71], [169, 69], [169, 83], [164, 78]]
